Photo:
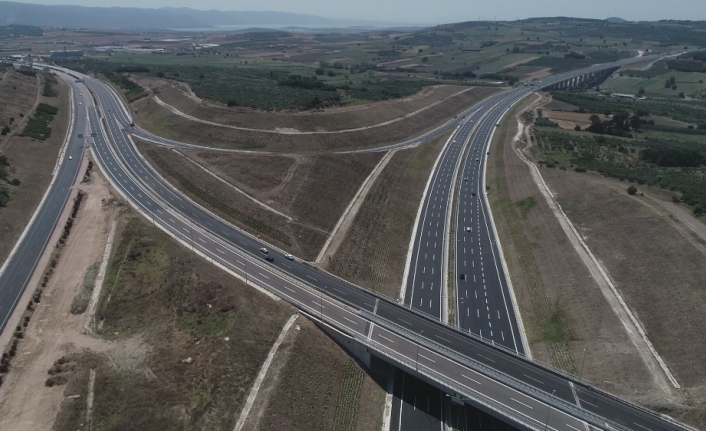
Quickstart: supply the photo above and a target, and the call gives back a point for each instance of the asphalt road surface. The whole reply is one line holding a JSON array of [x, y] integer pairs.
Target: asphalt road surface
[[20, 265], [393, 331]]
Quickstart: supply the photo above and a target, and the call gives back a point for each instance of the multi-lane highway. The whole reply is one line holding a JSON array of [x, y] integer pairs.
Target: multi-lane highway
[[22, 261], [386, 326], [527, 393]]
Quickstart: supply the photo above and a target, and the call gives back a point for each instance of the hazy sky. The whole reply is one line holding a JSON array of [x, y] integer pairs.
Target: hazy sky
[[436, 11]]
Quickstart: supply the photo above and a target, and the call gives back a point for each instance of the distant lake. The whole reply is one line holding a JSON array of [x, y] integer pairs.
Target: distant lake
[[288, 27]]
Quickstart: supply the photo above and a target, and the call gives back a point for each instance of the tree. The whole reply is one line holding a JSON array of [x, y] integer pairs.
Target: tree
[[642, 91], [698, 210], [632, 190], [681, 95], [160, 74], [577, 128], [672, 80], [635, 122]]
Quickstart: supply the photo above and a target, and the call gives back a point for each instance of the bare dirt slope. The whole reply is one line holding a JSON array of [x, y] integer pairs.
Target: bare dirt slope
[[179, 96], [25, 401]]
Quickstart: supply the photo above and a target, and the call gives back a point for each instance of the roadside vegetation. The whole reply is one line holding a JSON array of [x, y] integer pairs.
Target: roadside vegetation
[[633, 142], [38, 125]]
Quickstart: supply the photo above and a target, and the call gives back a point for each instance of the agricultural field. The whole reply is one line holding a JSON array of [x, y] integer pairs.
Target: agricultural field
[[685, 85]]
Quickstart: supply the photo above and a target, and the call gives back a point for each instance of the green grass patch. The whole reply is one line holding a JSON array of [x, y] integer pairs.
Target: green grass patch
[[214, 322], [556, 326], [525, 206]]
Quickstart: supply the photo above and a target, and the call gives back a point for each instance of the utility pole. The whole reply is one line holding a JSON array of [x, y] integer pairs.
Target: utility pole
[[549, 409], [583, 363]]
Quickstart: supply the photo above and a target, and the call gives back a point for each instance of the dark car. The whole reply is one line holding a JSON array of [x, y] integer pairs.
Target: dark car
[[269, 258], [462, 276]]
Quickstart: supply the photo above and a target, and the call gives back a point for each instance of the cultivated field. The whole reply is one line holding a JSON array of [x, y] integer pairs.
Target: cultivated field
[[374, 253]]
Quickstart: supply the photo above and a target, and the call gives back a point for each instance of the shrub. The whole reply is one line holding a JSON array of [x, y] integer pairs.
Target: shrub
[[632, 190]]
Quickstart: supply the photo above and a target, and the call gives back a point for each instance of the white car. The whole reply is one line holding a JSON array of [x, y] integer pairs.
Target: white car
[[289, 256], [264, 250], [71, 157], [468, 228]]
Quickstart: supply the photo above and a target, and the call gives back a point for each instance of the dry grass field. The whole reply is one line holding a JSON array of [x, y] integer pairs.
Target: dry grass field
[[656, 265], [374, 253], [161, 121], [317, 386], [164, 305], [311, 190]]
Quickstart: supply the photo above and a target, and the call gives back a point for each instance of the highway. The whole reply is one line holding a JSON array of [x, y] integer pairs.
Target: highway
[[22, 261], [523, 391], [376, 318]]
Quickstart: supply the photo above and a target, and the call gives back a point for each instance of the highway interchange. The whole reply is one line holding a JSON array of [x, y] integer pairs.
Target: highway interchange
[[495, 378]]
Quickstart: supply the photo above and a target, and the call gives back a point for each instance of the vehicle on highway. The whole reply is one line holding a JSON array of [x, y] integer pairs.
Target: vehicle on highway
[[71, 157], [264, 250], [473, 194], [468, 228], [465, 179], [269, 258], [289, 256], [462, 276], [477, 160]]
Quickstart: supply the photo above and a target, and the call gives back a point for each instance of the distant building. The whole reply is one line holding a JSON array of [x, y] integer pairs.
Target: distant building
[[623, 96], [67, 53]]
